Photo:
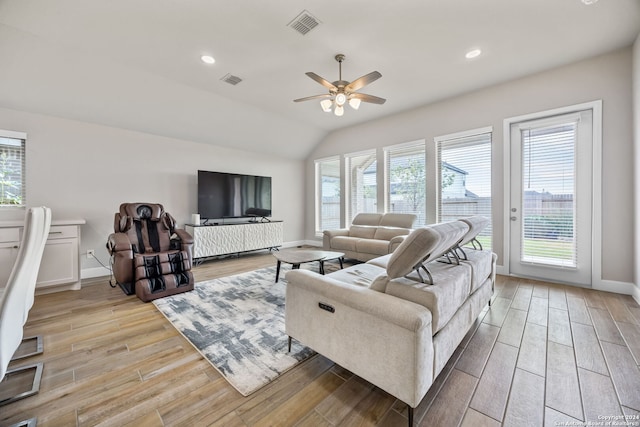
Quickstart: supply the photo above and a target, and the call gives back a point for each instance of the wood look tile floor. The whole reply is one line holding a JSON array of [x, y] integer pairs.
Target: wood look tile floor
[[540, 355]]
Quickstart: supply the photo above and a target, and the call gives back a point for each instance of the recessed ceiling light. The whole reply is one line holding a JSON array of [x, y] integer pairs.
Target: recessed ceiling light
[[588, 2], [473, 54], [207, 59]]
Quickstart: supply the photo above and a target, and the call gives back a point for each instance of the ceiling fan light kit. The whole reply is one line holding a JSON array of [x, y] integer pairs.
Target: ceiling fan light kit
[[342, 91]]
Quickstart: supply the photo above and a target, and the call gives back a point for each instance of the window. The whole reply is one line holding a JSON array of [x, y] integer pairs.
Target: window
[[12, 168], [327, 194], [548, 189], [464, 170], [406, 180], [362, 183]]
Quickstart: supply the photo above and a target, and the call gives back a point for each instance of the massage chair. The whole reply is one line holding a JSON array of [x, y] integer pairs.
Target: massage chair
[[150, 257]]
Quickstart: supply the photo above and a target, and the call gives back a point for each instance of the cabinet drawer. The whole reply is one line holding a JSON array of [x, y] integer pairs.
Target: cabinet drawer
[[9, 234], [63, 232]]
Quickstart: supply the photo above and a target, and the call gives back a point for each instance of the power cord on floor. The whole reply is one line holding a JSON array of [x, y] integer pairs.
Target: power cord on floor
[[100, 262], [109, 267]]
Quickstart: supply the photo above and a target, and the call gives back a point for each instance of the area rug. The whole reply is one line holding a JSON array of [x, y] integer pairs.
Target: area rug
[[237, 324]]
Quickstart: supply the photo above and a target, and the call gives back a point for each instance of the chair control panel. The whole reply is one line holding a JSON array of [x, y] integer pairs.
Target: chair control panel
[[326, 307]]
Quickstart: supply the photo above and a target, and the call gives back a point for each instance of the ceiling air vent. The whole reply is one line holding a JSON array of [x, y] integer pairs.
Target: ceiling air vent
[[231, 79], [304, 22]]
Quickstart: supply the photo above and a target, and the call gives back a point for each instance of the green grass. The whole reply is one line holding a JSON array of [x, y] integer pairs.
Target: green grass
[[560, 250], [544, 248]]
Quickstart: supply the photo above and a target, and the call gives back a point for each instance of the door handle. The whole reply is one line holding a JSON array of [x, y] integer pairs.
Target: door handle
[[513, 218]]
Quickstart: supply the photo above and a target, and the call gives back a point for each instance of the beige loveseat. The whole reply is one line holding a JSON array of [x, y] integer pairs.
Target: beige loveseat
[[370, 235], [396, 320]]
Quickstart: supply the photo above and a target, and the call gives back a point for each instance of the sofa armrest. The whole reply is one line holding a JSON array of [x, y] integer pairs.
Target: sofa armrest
[[327, 235], [381, 338]]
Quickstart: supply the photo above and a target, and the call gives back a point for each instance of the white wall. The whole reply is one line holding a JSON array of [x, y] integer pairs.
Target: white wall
[[636, 162], [607, 77], [83, 170]]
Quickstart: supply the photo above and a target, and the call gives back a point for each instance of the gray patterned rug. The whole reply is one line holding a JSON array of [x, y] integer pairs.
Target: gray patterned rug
[[237, 323]]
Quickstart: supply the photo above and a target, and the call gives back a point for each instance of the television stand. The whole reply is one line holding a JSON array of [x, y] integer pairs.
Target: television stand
[[257, 219], [223, 239]]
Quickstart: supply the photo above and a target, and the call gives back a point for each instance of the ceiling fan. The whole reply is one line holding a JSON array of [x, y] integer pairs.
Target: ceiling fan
[[342, 91]]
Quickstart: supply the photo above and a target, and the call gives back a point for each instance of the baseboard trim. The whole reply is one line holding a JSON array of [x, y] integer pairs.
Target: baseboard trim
[[636, 293], [625, 288], [90, 273], [501, 270], [293, 244], [615, 286]]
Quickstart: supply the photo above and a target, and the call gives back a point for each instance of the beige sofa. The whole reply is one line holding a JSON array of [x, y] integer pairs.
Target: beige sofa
[[396, 320], [370, 235]]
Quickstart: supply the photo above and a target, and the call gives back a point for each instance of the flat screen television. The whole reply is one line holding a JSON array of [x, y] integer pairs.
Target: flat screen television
[[231, 195]]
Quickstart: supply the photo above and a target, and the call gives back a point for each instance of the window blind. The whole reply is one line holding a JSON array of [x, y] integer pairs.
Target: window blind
[[548, 199], [362, 183], [12, 168], [406, 182], [464, 172], [327, 194]]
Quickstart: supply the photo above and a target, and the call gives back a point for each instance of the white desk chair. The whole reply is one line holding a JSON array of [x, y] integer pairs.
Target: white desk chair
[[17, 297]]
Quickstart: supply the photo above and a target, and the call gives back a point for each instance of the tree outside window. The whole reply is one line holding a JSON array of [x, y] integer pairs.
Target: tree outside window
[[11, 172], [406, 185]]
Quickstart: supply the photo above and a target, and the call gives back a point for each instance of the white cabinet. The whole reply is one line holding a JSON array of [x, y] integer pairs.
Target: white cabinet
[[60, 265], [212, 240], [9, 245], [60, 258]]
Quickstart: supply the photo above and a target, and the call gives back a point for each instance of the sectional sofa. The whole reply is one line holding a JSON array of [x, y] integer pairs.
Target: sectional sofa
[[396, 320]]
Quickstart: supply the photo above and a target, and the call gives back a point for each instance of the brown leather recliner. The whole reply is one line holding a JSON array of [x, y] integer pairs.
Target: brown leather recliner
[[150, 256]]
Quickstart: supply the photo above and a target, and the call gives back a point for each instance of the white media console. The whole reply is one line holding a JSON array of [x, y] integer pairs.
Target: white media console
[[222, 239]]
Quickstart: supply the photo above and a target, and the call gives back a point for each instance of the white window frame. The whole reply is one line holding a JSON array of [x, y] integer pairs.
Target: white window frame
[[347, 182], [387, 173], [23, 176], [596, 215], [318, 191], [450, 139]]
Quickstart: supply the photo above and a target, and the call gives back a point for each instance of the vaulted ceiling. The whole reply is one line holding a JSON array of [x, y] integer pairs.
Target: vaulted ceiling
[[136, 64]]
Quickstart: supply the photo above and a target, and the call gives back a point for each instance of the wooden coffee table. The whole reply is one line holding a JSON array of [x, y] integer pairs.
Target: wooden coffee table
[[297, 257]]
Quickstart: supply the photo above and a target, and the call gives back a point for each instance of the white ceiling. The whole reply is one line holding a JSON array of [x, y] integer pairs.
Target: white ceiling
[[136, 64]]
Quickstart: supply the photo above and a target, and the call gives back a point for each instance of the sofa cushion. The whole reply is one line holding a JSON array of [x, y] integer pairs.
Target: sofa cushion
[[388, 233], [380, 261], [361, 274], [380, 283], [362, 231], [372, 246], [344, 243], [398, 220], [443, 298], [413, 250], [480, 263]]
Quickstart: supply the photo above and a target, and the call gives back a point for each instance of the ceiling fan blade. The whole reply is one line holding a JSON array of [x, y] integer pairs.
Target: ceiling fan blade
[[368, 98], [323, 82], [308, 98], [362, 81]]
